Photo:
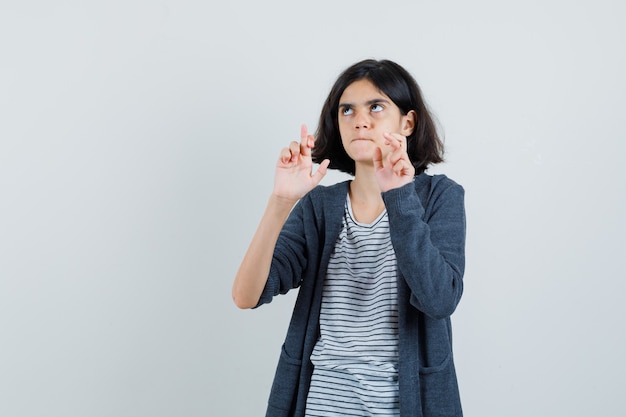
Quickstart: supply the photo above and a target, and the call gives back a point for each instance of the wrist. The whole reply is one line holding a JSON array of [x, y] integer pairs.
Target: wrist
[[281, 201]]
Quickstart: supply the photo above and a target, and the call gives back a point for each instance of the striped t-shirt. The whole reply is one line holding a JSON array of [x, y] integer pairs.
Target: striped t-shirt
[[356, 357]]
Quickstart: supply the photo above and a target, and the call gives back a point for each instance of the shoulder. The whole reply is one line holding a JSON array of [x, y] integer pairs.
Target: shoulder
[[318, 214], [438, 181], [324, 201], [325, 192], [327, 196], [438, 190], [436, 184]]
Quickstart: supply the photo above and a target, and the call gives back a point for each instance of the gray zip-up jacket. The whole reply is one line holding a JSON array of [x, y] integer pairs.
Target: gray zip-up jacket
[[427, 227]]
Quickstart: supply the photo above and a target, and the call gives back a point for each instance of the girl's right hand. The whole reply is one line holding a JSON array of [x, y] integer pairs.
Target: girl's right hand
[[294, 177]]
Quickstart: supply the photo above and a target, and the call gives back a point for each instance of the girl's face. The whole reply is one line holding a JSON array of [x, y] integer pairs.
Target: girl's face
[[365, 113]]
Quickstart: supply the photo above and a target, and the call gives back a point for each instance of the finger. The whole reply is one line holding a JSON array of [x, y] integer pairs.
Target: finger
[[294, 149], [397, 155], [306, 141], [290, 153], [390, 141], [399, 147], [396, 136], [303, 132], [399, 167], [305, 147], [285, 155], [396, 140], [404, 168]]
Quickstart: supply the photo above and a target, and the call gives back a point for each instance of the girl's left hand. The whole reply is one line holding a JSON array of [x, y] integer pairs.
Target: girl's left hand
[[396, 169]]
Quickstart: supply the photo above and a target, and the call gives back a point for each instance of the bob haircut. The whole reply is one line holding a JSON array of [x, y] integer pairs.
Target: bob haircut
[[424, 146]]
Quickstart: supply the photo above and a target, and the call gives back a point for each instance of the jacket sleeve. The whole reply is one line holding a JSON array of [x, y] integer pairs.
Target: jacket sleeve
[[430, 244], [289, 260]]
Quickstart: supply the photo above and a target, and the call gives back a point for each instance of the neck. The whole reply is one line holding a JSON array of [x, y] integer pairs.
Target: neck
[[364, 188], [365, 197]]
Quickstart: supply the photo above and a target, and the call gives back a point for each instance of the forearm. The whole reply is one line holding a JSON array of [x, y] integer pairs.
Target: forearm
[[254, 269], [430, 247], [434, 275]]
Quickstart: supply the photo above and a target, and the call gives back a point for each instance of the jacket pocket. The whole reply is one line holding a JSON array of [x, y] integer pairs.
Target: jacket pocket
[[439, 390], [286, 381], [437, 367]]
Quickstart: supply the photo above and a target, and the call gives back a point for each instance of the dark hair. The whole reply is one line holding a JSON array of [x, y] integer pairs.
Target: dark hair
[[424, 146]]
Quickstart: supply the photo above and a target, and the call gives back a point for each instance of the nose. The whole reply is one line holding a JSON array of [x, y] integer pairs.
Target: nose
[[362, 120]]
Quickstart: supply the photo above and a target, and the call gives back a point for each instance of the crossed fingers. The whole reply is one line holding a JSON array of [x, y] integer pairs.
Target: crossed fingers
[[397, 159], [395, 169]]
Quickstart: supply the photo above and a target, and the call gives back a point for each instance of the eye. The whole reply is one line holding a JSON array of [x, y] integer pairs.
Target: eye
[[346, 111], [376, 108]]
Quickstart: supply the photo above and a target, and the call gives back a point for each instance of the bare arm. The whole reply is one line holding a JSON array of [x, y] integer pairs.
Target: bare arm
[[293, 179]]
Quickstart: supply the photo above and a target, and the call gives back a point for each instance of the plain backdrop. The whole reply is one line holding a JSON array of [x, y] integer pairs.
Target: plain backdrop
[[137, 146]]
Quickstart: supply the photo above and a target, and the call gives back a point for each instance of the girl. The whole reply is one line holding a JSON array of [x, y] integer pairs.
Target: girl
[[378, 259]]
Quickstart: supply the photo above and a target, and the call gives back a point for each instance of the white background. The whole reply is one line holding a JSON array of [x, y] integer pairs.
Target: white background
[[137, 145]]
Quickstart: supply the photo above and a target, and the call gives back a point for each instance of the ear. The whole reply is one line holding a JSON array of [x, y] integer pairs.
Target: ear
[[408, 123]]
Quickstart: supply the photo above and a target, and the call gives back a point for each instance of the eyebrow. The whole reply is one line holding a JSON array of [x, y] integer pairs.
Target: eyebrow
[[367, 103]]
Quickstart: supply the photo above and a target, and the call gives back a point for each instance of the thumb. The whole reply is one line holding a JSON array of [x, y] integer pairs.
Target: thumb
[[321, 171], [378, 159]]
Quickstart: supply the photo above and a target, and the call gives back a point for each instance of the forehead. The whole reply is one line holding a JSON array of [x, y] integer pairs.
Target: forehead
[[362, 90]]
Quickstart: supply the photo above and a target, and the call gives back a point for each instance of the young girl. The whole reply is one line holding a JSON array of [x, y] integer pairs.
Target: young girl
[[378, 259]]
